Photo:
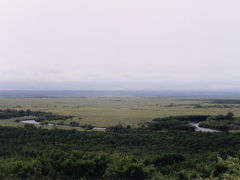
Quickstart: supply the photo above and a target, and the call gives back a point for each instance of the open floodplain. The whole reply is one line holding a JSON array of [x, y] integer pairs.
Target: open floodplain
[[110, 111]]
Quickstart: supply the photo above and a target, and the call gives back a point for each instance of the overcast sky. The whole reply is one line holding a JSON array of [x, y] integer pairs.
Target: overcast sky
[[120, 44]]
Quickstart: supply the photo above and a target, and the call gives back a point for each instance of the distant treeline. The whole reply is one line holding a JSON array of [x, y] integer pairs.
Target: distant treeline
[[41, 116], [225, 101], [11, 113], [191, 118]]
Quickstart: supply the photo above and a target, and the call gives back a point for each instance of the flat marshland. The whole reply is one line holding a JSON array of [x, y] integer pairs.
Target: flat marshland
[[110, 111]]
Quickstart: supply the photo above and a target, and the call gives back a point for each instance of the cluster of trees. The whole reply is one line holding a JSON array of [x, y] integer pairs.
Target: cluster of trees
[[35, 153], [119, 128], [170, 125], [76, 124], [219, 122], [212, 106], [190, 118], [174, 123], [40, 116], [222, 122], [228, 116], [225, 101], [11, 113], [87, 126]]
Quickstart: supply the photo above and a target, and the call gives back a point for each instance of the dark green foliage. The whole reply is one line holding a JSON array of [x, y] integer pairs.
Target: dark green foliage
[[74, 124], [181, 176], [198, 106], [28, 112], [168, 159], [11, 113], [117, 128], [229, 116], [225, 101], [221, 122], [174, 123], [30, 126], [222, 126], [219, 169], [184, 127], [192, 118], [33, 153], [40, 116], [43, 116], [87, 126], [171, 125]]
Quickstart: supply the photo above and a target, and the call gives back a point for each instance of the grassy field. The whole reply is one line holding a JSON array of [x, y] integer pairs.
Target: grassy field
[[109, 111]]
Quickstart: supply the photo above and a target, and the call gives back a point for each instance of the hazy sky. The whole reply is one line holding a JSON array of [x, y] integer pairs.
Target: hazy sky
[[124, 44]]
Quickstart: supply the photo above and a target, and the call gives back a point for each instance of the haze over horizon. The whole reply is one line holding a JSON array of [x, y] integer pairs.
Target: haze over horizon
[[120, 45]]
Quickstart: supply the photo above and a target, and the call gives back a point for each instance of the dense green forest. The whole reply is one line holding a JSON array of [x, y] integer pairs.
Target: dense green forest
[[35, 153]]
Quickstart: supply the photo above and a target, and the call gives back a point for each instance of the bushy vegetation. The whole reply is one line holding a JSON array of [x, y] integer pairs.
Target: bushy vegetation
[[170, 125], [191, 118], [35, 153], [221, 122], [225, 101], [39, 115], [174, 123], [43, 116], [11, 113], [218, 122]]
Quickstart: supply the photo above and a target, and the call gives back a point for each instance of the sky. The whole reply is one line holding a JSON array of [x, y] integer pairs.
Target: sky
[[120, 45]]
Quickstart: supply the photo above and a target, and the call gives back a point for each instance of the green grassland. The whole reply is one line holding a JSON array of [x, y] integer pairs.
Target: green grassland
[[109, 111]]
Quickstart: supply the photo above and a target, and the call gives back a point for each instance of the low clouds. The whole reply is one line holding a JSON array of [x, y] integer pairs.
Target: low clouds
[[150, 45]]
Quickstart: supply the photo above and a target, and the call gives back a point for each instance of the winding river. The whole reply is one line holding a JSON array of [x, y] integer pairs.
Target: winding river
[[203, 129], [50, 124], [100, 128]]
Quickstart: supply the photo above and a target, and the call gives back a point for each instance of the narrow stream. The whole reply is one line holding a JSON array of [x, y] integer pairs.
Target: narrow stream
[[202, 129], [100, 128], [50, 124], [30, 122]]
